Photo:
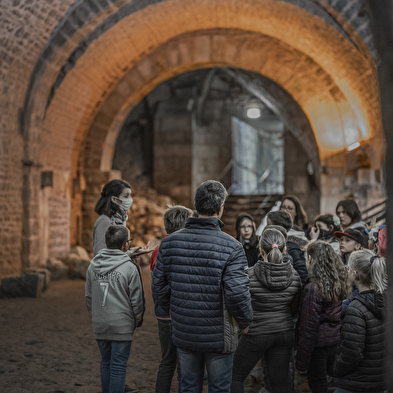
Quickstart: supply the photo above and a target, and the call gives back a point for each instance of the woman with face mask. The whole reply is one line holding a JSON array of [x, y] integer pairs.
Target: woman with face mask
[[324, 227], [112, 207]]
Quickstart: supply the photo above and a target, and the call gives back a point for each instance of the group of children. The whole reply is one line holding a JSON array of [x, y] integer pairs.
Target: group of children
[[317, 304]]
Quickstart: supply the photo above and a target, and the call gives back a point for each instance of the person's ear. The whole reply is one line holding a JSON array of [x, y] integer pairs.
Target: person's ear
[[220, 211], [113, 199], [331, 227], [358, 246]]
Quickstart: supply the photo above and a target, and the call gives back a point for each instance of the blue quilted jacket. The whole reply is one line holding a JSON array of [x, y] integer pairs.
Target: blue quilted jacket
[[200, 278]]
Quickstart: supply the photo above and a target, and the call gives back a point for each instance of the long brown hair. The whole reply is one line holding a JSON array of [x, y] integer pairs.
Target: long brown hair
[[327, 271]]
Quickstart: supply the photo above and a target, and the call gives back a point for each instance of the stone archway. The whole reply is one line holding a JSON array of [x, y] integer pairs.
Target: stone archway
[[78, 98]]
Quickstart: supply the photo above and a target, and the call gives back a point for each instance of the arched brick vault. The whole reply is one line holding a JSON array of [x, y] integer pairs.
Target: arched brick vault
[[77, 95]]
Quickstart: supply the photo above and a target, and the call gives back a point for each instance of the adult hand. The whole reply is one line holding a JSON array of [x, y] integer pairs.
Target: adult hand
[[150, 246], [314, 233], [244, 331]]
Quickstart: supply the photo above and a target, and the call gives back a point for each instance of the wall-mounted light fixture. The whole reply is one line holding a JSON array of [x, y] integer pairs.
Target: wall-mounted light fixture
[[253, 113], [353, 146]]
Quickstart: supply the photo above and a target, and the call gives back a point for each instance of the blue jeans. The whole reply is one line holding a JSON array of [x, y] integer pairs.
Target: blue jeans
[[114, 358], [168, 358], [277, 350], [218, 366]]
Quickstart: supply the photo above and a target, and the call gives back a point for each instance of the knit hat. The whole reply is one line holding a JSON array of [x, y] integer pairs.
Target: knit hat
[[353, 234]]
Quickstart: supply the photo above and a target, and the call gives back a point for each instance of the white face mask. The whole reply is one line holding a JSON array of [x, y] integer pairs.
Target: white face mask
[[125, 203]]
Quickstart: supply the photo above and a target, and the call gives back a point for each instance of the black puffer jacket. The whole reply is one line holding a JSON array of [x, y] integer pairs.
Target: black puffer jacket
[[275, 297], [200, 278], [359, 365], [294, 249]]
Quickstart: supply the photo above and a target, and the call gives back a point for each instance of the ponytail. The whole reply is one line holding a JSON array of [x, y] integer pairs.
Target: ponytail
[[379, 277], [371, 269], [273, 243]]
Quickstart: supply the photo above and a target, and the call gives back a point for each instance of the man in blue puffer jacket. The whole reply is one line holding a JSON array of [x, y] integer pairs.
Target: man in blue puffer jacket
[[200, 279]]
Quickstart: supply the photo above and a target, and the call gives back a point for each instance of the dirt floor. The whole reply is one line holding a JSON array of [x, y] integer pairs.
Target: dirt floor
[[47, 345]]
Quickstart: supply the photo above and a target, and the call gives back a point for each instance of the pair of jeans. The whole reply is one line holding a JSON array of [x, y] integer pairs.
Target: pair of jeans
[[321, 365], [114, 358], [277, 350], [168, 358], [218, 367]]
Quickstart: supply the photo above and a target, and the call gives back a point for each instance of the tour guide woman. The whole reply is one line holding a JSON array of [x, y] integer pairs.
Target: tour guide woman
[[112, 207]]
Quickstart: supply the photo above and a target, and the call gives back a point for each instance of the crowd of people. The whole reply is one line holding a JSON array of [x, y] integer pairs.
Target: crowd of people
[[297, 297]]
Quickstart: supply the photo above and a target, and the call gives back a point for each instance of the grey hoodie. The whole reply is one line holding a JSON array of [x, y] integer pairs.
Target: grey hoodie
[[114, 295]]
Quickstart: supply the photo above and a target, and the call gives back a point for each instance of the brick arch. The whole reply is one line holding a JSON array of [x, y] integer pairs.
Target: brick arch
[[208, 33]]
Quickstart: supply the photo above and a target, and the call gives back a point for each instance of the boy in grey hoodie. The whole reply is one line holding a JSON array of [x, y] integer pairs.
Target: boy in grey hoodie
[[114, 297]]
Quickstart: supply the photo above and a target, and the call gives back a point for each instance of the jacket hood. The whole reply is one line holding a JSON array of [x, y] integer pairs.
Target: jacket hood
[[107, 260], [373, 301], [359, 225], [240, 218], [275, 276]]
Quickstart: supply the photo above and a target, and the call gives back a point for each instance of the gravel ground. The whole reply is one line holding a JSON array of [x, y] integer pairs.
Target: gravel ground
[[47, 345]]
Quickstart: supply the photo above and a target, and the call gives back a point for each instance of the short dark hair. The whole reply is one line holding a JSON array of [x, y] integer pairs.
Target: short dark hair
[[279, 228], [209, 196], [175, 218], [351, 208], [116, 236], [280, 218], [112, 188]]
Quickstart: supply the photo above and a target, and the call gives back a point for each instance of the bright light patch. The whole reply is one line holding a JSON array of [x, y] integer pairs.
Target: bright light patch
[[253, 113], [353, 146]]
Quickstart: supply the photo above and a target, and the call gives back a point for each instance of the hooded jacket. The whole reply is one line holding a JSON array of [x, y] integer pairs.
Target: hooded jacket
[[275, 297], [200, 278], [114, 295], [319, 324], [359, 365]]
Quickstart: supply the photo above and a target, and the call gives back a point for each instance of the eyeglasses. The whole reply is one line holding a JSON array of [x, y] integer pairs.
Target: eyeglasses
[[245, 227], [128, 241]]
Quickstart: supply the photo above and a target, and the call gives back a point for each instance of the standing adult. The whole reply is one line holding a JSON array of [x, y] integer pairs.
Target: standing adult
[[350, 216], [200, 278], [245, 233], [113, 205], [294, 208]]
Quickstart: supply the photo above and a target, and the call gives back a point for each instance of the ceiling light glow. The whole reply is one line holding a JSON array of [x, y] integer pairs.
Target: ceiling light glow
[[353, 146], [253, 113]]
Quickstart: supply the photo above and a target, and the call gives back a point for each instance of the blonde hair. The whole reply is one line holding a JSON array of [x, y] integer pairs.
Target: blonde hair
[[371, 269], [273, 243], [327, 271]]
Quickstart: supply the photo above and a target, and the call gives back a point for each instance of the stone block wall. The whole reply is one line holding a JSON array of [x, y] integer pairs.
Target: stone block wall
[[297, 180], [173, 152]]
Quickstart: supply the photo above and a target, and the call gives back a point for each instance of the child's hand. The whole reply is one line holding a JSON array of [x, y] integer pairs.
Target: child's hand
[[314, 233]]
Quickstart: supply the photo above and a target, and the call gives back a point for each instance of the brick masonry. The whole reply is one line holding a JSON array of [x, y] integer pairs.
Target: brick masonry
[[70, 70]]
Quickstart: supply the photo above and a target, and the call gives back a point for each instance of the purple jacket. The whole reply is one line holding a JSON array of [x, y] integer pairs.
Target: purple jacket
[[319, 325]]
